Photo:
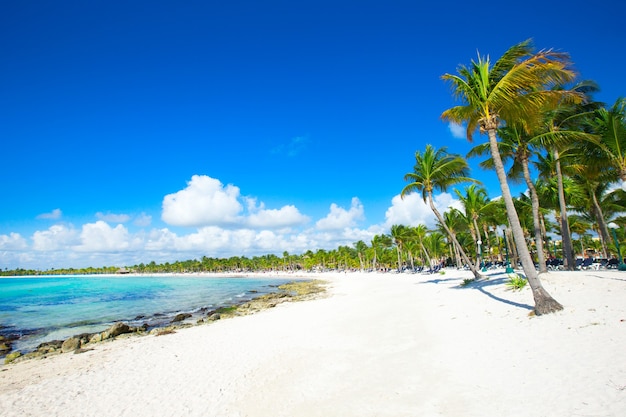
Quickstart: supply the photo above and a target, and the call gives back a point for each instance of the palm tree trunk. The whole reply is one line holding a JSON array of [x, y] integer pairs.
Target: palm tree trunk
[[602, 226], [534, 199], [567, 248], [544, 303], [452, 237], [512, 248], [430, 263], [399, 258], [488, 241], [479, 249]]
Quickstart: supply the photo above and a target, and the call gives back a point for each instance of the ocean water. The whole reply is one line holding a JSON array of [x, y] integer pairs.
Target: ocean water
[[39, 309]]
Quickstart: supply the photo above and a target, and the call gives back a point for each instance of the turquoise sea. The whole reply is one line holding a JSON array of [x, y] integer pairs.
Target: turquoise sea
[[38, 309]]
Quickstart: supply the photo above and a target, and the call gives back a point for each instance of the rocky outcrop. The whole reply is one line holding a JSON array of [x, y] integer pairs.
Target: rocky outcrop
[[5, 345], [180, 317], [71, 344], [117, 329]]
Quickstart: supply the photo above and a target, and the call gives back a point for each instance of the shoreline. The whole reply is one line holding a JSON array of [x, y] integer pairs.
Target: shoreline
[[295, 289], [377, 345]]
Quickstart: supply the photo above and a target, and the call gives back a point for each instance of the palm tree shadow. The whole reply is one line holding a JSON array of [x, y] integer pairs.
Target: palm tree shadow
[[483, 285], [438, 280]]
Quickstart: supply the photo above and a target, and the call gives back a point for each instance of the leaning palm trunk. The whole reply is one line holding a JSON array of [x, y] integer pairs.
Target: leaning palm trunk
[[512, 248], [426, 255], [544, 303], [534, 199], [452, 237], [488, 240], [479, 250], [398, 247], [602, 226], [568, 255]]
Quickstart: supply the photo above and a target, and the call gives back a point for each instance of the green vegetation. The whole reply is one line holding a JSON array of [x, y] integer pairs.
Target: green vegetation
[[516, 282]]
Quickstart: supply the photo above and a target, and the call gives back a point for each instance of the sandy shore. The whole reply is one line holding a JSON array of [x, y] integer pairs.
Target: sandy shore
[[378, 345]]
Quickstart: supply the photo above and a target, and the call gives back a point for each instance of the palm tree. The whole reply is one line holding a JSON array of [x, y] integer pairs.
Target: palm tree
[[515, 90], [563, 131], [579, 226], [436, 169], [400, 235], [611, 127], [474, 200], [436, 244], [420, 232], [379, 244], [454, 222], [519, 147], [361, 248]]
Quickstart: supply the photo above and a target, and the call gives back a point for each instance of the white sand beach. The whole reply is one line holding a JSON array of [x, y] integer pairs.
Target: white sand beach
[[377, 345]]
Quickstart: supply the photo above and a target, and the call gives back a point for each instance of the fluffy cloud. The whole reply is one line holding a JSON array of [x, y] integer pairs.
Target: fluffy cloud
[[53, 215], [226, 224], [205, 201], [412, 210], [340, 218], [143, 220], [57, 237], [286, 216], [12, 241], [458, 131], [100, 237]]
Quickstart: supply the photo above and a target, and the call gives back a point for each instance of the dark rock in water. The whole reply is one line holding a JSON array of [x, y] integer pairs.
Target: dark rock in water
[[49, 347], [140, 317], [5, 347], [180, 317], [71, 344], [113, 331], [53, 343]]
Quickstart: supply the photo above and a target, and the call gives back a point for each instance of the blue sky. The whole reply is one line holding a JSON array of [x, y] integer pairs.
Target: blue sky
[[161, 130]]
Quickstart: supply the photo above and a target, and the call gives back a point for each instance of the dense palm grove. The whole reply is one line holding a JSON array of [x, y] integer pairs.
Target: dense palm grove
[[544, 129]]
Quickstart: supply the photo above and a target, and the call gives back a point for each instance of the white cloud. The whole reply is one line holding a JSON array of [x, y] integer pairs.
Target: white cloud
[[12, 241], [159, 239], [53, 215], [113, 218], [100, 237], [204, 202], [340, 218], [458, 131], [143, 220], [227, 224], [412, 210], [286, 216], [57, 237]]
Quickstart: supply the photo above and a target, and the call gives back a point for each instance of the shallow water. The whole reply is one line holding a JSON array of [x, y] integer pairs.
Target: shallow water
[[41, 309]]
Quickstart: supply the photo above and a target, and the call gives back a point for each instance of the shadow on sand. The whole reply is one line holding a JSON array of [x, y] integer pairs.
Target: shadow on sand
[[482, 285]]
